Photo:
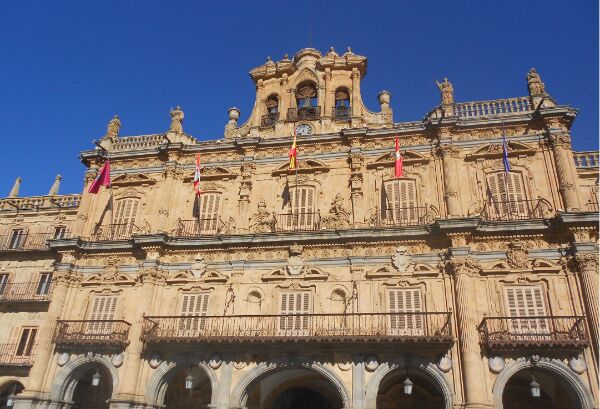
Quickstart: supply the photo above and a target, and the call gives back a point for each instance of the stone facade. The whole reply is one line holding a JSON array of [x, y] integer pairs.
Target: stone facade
[[330, 284]]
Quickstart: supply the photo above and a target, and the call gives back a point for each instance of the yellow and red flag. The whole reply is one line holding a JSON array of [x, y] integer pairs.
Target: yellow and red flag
[[197, 190], [399, 168], [293, 154]]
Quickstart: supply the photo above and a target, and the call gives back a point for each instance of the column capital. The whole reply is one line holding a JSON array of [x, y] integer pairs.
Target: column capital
[[67, 278], [463, 266], [586, 262], [559, 139]]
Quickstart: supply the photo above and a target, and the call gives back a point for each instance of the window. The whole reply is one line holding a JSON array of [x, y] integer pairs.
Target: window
[[17, 239], [342, 98], [44, 284], [272, 104], [60, 232], [26, 342], [297, 305], [103, 310], [399, 202], [207, 213], [193, 305], [507, 195], [523, 302], [299, 203], [124, 216], [306, 95], [3, 283], [405, 306]]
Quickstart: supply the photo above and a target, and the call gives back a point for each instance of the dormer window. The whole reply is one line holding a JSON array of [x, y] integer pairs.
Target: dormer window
[[342, 110]]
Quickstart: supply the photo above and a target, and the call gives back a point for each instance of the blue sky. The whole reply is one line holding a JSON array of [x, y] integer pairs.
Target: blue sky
[[68, 66]]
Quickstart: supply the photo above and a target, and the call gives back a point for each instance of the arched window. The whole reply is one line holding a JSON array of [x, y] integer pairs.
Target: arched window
[[306, 95], [124, 217], [342, 110], [399, 203], [272, 115], [272, 104], [506, 196]]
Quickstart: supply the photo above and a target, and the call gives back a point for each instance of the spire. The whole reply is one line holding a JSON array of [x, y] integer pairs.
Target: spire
[[54, 189], [14, 192]]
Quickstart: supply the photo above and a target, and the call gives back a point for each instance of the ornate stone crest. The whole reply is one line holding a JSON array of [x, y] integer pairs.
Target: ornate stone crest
[[295, 260], [517, 256], [199, 266], [402, 258]]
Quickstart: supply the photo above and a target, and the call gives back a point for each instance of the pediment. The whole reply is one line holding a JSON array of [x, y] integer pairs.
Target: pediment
[[383, 272], [542, 265], [308, 273], [496, 267], [209, 276], [422, 269], [213, 276], [304, 166], [116, 279], [408, 158], [494, 150], [212, 173], [130, 179], [181, 277]]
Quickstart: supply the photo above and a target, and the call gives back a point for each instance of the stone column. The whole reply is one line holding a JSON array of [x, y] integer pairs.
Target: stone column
[[328, 100], [463, 270], [587, 268], [565, 168], [355, 92], [451, 180]]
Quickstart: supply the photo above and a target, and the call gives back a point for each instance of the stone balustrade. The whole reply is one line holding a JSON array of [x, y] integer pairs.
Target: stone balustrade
[[40, 202], [493, 107], [138, 142], [586, 160]]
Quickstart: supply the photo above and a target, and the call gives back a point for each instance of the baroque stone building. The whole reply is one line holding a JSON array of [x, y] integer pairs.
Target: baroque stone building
[[332, 286]]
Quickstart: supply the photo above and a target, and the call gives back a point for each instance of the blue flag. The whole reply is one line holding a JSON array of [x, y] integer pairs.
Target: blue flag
[[505, 155]]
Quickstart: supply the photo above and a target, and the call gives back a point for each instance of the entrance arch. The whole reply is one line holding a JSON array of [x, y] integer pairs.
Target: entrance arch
[[7, 389], [560, 388], [425, 394]]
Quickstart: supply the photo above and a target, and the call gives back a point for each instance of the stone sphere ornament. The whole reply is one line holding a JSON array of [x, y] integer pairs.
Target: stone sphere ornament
[[234, 114]]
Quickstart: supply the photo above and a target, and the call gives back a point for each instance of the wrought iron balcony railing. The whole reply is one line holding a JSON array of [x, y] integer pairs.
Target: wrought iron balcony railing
[[514, 210], [308, 221], [118, 231], [25, 292], [341, 113], [304, 114], [426, 327], [198, 227], [404, 216], [532, 332], [101, 333], [269, 119], [24, 241], [11, 356]]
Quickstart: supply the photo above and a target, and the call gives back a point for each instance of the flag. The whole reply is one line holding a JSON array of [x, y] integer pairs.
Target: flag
[[505, 161], [293, 153], [197, 175], [103, 178], [399, 166]]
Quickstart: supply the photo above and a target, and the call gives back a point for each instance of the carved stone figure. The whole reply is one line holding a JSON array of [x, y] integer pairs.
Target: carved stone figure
[[534, 83], [447, 91], [262, 221], [176, 120], [113, 127], [338, 215]]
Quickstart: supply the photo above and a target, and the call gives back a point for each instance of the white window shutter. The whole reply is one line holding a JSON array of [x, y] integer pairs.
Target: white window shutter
[[523, 302], [194, 305], [103, 308], [401, 198], [298, 305], [405, 306]]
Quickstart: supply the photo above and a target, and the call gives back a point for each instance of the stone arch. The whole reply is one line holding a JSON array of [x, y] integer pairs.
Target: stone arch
[[240, 392], [67, 377], [413, 362], [573, 383], [156, 386]]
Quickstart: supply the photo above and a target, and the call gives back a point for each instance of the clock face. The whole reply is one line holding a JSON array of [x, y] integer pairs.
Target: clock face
[[304, 129]]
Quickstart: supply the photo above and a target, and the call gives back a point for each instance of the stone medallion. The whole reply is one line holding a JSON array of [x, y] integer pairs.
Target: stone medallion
[[371, 363], [496, 364], [63, 358], [155, 360], [444, 363], [117, 360], [578, 365]]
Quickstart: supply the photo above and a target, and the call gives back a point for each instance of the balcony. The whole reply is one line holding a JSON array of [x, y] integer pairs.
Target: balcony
[[25, 292], [297, 221], [98, 333], [404, 216], [198, 227], [510, 210], [304, 114], [421, 328], [9, 357], [341, 113], [586, 160], [24, 241], [109, 232], [498, 333], [269, 120]]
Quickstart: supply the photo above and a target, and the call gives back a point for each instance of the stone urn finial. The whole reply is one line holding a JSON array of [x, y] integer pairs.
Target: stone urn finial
[[234, 114], [384, 99]]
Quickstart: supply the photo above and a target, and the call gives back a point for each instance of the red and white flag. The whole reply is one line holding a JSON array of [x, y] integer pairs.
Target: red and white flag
[[197, 176], [103, 178], [398, 159]]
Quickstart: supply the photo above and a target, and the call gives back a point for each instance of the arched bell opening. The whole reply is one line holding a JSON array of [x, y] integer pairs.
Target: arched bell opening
[[189, 389], [297, 388], [94, 389], [537, 389], [409, 389], [8, 393]]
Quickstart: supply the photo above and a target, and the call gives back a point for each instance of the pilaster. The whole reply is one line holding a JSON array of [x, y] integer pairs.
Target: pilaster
[[560, 141]]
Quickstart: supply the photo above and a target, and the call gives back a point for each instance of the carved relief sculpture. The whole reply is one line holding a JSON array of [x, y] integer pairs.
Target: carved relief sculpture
[[176, 120], [338, 215], [262, 221]]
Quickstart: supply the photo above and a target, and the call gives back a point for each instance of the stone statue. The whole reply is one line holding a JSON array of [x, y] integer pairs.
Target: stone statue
[[447, 91], [176, 120], [338, 215], [262, 221], [113, 128], [534, 83]]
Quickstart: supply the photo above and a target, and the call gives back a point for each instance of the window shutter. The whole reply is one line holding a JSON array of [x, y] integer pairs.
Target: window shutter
[[507, 193], [296, 304], [3, 283], [209, 213], [302, 207], [103, 309], [401, 197], [194, 305], [523, 302], [44, 284], [26, 342], [405, 306], [125, 215]]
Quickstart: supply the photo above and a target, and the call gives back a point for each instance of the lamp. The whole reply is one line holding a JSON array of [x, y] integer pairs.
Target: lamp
[[189, 381], [408, 385], [534, 387], [96, 378], [10, 400]]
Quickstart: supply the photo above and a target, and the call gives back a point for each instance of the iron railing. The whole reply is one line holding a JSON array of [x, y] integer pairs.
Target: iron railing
[[304, 221], [25, 292], [198, 227], [425, 327], [304, 114], [113, 231], [404, 216], [269, 119], [9, 355], [533, 332], [24, 241], [341, 113], [92, 333], [513, 210]]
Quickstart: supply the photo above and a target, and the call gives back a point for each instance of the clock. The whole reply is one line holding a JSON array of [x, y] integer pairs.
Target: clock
[[304, 129]]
